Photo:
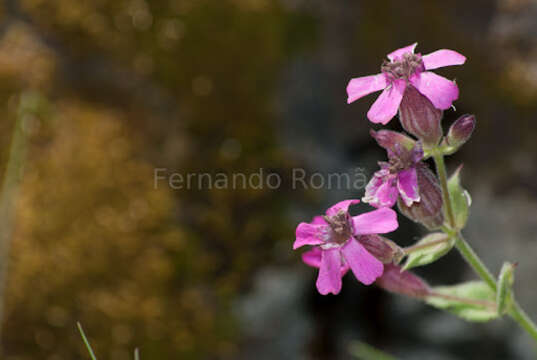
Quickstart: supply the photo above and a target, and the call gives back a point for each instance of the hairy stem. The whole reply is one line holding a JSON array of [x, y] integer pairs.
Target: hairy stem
[[473, 259], [442, 175], [520, 316], [515, 311]]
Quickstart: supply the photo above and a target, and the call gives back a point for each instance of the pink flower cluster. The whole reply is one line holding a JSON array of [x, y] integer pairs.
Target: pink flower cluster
[[340, 241]]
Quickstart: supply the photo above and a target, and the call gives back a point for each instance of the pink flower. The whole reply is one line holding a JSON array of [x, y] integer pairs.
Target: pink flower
[[398, 177], [336, 250], [406, 68]]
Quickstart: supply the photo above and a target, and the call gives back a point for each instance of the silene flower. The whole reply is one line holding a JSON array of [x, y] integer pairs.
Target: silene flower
[[403, 69], [336, 248], [396, 178]]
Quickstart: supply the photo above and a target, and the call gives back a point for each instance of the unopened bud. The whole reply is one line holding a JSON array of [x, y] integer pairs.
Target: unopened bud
[[389, 139], [460, 131], [386, 251], [427, 211], [405, 282], [419, 117]]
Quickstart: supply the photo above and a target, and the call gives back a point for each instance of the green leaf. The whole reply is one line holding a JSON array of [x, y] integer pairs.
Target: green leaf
[[363, 351], [505, 287], [427, 254], [460, 199], [472, 301]]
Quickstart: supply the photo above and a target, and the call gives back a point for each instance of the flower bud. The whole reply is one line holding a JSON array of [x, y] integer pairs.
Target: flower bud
[[427, 211], [460, 131], [386, 251], [388, 139], [419, 117], [405, 282]]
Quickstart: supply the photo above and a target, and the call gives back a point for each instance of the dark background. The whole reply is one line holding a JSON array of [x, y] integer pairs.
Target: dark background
[[107, 91]]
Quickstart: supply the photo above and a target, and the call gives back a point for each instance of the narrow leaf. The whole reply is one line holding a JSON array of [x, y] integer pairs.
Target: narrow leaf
[[505, 287], [460, 199], [363, 351], [86, 342], [428, 250], [472, 301]]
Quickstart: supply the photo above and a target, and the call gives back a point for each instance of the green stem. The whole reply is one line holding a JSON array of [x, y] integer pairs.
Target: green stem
[[515, 311], [442, 175], [520, 316], [86, 342], [473, 259]]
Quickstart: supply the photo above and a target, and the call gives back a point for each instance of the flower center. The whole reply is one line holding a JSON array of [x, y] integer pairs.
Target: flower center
[[403, 68], [341, 227], [401, 158], [398, 164]]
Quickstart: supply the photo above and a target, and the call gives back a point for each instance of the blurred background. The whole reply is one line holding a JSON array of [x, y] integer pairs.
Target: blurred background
[[96, 94]]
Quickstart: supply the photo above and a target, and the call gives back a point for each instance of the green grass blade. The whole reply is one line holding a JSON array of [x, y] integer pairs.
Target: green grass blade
[[88, 346]]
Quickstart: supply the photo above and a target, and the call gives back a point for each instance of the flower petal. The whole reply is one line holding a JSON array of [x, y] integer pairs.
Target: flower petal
[[329, 279], [407, 184], [441, 91], [397, 54], [318, 220], [344, 268], [308, 234], [341, 206], [378, 221], [441, 58], [387, 104], [362, 86], [381, 191], [312, 257], [364, 266]]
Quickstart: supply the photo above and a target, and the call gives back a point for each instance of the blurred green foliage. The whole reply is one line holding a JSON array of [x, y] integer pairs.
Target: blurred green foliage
[[133, 85]]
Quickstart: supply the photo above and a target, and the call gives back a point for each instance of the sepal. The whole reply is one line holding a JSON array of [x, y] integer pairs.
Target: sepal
[[428, 211], [420, 117], [388, 139], [385, 250], [402, 282]]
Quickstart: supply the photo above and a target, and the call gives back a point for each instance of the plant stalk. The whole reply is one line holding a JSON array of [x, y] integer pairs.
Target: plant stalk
[[515, 311]]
